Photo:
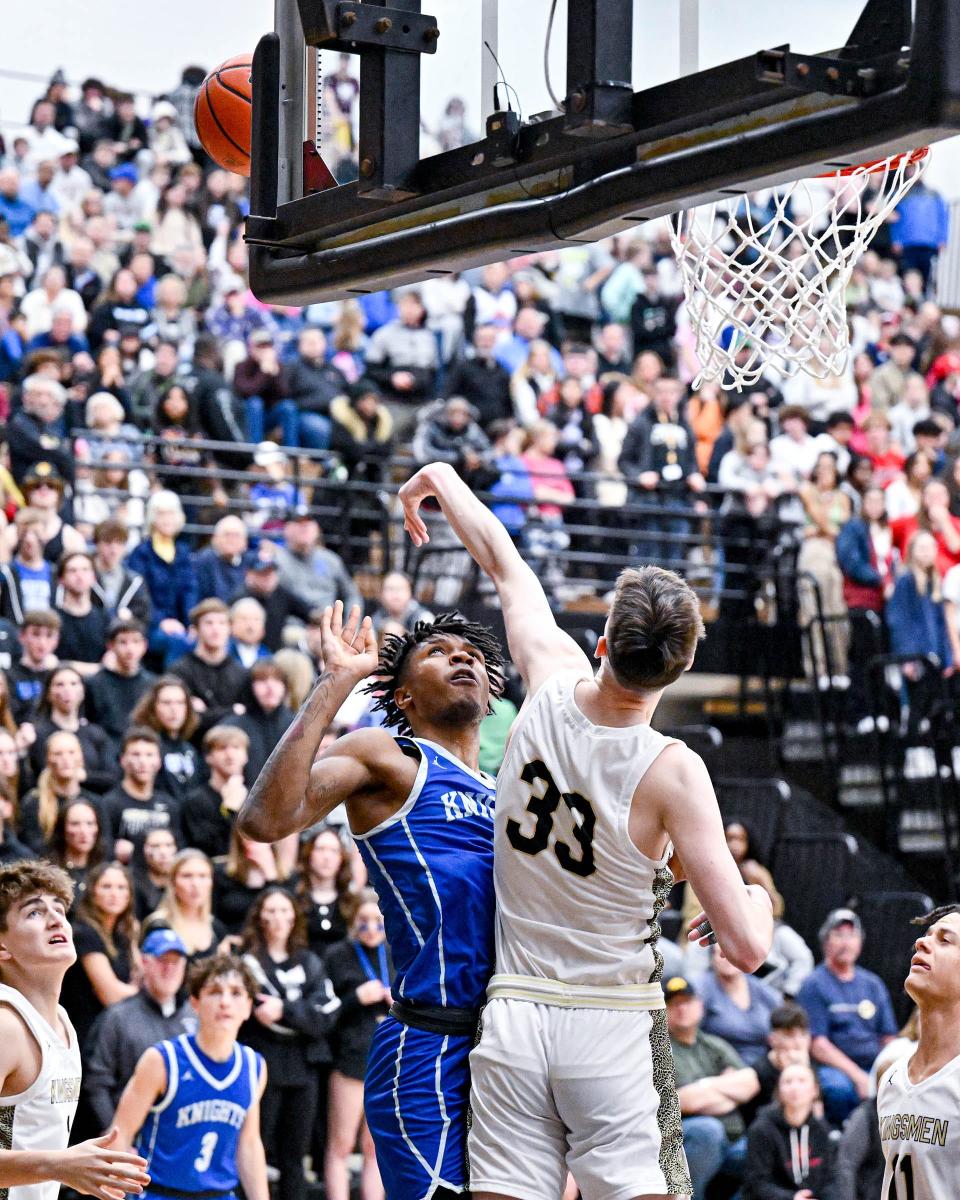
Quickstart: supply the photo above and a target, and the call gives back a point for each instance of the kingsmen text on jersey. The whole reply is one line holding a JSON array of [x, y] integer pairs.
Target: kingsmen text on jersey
[[432, 866], [40, 1118], [190, 1136], [920, 1133]]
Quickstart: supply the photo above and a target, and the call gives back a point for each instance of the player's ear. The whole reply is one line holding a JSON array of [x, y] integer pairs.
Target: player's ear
[[5, 955], [601, 650], [402, 698]]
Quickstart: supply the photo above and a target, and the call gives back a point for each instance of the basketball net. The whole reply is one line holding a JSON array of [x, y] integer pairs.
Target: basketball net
[[766, 284]]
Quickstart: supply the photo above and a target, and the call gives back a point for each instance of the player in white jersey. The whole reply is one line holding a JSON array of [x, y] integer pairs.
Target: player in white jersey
[[918, 1100], [573, 1069], [39, 1056]]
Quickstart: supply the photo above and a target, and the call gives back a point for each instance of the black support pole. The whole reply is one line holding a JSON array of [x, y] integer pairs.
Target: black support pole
[[389, 113], [599, 66]]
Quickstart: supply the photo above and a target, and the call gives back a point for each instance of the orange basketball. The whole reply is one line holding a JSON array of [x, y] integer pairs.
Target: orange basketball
[[222, 114]]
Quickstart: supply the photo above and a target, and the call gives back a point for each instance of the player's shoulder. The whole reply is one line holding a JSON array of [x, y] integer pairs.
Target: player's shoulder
[[679, 771], [375, 748]]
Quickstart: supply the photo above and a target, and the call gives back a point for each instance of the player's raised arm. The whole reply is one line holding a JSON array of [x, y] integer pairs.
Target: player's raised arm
[[741, 916], [291, 792], [538, 647]]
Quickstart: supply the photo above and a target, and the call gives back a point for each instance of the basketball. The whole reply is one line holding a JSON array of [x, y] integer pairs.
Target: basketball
[[222, 114]]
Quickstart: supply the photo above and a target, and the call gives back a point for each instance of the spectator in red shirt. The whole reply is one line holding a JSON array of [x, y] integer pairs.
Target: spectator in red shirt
[[935, 517], [887, 460]]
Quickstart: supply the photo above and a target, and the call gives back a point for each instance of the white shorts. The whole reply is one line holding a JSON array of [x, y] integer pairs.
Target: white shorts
[[591, 1091]]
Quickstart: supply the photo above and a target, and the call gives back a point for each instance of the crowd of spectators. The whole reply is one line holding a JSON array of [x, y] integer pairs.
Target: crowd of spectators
[[148, 669]]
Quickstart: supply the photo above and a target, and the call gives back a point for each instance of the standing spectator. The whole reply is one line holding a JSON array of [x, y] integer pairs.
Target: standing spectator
[[105, 937], [77, 843], [851, 1017], [83, 623], [163, 560], [889, 380], [60, 709], [212, 675], [934, 518], [397, 603], [237, 882], [313, 384], [248, 622], [921, 229], [210, 810], [34, 433], [155, 1013], [402, 358], [362, 973], [736, 1007], [267, 715], [324, 885], [166, 709], [187, 906], [60, 782], [315, 575], [122, 592], [793, 448], [151, 876], [28, 577], [481, 380], [114, 692], [136, 805], [712, 1082], [915, 614], [262, 583], [219, 568], [789, 1151], [653, 319], [292, 1016], [38, 636], [826, 509]]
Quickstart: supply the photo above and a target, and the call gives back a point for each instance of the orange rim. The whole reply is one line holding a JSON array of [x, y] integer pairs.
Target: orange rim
[[877, 165]]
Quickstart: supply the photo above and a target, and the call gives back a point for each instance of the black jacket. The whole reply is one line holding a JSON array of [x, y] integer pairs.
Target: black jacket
[[112, 697], [782, 1160], [31, 441], [314, 385], [204, 825], [280, 605], [357, 1021], [218, 686], [650, 445], [263, 729], [134, 598], [310, 1011], [485, 383], [99, 756]]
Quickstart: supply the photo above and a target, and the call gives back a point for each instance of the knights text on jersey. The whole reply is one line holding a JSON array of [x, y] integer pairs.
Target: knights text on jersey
[[431, 864], [920, 1133]]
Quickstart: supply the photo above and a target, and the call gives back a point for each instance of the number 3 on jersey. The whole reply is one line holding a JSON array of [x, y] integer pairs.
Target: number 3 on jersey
[[207, 1146], [543, 807]]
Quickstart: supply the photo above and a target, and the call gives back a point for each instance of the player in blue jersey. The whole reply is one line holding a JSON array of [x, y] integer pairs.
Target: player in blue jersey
[[422, 814], [193, 1104]]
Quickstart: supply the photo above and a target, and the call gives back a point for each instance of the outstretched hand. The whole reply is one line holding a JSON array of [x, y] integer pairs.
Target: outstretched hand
[[349, 648], [413, 493], [97, 1168]]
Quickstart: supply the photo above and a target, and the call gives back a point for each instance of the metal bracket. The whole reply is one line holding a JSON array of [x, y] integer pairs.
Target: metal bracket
[[352, 26], [824, 73]]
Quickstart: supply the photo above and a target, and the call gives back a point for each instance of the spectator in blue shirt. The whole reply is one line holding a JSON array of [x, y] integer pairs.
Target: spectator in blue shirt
[[528, 326], [14, 209], [219, 568], [921, 229], [851, 1016], [737, 1007]]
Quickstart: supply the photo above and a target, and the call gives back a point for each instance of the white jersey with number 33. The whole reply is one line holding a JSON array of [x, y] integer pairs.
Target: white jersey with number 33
[[576, 900], [920, 1133]]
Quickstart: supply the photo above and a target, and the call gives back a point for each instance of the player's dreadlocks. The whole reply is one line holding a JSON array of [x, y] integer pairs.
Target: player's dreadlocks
[[396, 650], [931, 918]]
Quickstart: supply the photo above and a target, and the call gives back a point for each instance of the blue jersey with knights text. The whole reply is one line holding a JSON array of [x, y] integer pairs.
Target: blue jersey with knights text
[[431, 864], [190, 1136]]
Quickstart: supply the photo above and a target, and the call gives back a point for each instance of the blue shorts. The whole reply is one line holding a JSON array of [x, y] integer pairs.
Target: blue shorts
[[416, 1096]]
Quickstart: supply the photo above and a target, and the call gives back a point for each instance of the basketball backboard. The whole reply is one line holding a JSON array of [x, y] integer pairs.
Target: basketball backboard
[[659, 106]]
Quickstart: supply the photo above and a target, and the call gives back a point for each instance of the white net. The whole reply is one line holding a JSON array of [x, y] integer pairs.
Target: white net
[[765, 276]]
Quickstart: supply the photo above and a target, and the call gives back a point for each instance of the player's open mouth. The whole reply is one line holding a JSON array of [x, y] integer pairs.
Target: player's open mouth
[[58, 939], [919, 964], [464, 676]]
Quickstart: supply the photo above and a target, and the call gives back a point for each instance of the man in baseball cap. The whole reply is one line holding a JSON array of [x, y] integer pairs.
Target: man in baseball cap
[[124, 1030], [851, 1015]]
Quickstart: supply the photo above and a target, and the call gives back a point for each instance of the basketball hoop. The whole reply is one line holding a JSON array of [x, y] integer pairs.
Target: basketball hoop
[[766, 285]]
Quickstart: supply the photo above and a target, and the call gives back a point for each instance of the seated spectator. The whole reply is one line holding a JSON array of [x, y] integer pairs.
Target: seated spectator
[[888, 382], [836, 438], [43, 491], [266, 715], [136, 805], [114, 692], [903, 497], [448, 433], [273, 496], [118, 310], [34, 434], [219, 568], [60, 707], [210, 810], [262, 382], [712, 1082], [248, 621], [611, 347], [261, 581], [237, 882], [52, 295], [361, 971], [83, 623], [736, 1007], [187, 906], [166, 708], [915, 613], [15, 211], [851, 1017], [788, 1042], [212, 675], [885, 458], [913, 407], [534, 377], [789, 1151], [362, 432], [28, 582], [11, 848], [529, 326], [105, 417], [61, 336], [123, 593], [793, 448], [315, 575], [324, 885], [152, 874], [313, 383], [163, 560], [105, 937], [149, 387], [155, 1013], [59, 782], [402, 358], [610, 427], [512, 481], [578, 444], [397, 603], [481, 380], [934, 517], [38, 636], [77, 843]]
